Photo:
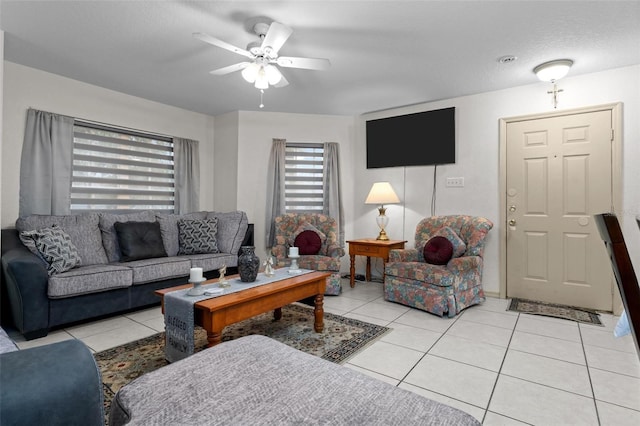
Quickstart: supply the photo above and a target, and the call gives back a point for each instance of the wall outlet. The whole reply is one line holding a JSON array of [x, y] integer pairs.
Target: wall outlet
[[455, 182]]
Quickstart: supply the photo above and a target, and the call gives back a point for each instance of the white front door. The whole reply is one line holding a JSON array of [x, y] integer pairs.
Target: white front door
[[558, 175]]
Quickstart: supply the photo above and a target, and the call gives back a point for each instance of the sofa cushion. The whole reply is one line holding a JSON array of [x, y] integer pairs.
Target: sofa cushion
[[434, 275], [320, 263], [82, 229], [459, 247], [159, 268], [109, 235], [197, 236], [169, 229], [89, 279], [308, 242], [212, 261], [139, 240], [232, 227], [438, 251]]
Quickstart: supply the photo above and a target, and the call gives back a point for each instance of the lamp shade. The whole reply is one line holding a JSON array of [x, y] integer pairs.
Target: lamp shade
[[382, 193], [553, 70]]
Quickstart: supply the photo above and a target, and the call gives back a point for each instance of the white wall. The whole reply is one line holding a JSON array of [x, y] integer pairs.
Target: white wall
[[26, 87], [477, 144], [256, 131]]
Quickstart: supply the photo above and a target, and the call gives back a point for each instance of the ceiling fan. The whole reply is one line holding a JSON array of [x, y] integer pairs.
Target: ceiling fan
[[262, 69]]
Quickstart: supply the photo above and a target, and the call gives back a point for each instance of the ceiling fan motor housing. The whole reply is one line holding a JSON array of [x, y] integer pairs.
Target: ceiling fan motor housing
[[261, 29]]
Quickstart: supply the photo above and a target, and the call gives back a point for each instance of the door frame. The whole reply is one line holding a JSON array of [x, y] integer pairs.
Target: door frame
[[616, 179]]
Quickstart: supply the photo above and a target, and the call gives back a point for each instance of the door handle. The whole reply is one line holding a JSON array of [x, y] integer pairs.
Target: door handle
[[512, 222]]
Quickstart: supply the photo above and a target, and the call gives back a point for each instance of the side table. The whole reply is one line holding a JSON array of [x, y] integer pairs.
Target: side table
[[370, 247]]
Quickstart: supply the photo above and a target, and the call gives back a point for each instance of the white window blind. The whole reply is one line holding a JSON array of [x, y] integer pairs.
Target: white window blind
[[304, 171], [120, 170]]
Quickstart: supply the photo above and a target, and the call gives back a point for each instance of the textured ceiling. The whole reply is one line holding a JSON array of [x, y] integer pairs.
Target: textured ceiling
[[384, 54]]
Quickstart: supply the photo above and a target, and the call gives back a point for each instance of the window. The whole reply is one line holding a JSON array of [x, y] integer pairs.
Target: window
[[120, 170], [304, 173]]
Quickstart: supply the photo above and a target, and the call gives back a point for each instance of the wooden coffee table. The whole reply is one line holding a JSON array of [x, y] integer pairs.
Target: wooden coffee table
[[218, 312]]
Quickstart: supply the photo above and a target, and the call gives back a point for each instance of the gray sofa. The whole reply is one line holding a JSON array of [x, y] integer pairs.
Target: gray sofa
[[255, 380], [56, 384], [103, 283]]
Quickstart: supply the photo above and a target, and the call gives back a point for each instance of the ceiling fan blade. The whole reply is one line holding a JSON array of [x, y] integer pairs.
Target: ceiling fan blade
[[276, 36], [231, 68], [305, 63], [283, 82], [223, 44]]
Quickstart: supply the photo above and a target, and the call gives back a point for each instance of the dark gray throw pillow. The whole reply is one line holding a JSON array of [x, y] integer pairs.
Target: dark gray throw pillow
[[139, 240], [198, 236]]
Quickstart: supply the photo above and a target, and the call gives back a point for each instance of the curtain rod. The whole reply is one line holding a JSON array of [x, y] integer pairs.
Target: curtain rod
[[113, 126], [139, 132]]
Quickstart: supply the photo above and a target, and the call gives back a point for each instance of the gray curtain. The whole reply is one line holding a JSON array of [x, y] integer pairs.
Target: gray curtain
[[46, 164], [275, 187], [186, 168], [331, 185]]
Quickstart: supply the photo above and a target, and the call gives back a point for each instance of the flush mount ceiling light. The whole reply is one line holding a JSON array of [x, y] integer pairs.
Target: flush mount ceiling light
[[553, 70]]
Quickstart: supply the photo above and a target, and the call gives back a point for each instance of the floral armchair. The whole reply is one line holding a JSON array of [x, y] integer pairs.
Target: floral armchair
[[290, 225], [440, 289]]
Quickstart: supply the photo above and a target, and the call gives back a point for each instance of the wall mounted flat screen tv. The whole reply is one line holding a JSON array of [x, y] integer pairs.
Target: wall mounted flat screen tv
[[420, 139]]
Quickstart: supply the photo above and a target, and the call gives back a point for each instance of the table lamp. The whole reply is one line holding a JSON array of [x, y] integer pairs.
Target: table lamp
[[382, 193]]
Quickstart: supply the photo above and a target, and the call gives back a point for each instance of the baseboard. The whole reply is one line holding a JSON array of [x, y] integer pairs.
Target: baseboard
[[492, 294]]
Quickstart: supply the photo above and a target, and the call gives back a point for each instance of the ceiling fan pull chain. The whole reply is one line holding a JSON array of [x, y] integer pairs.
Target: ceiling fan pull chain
[[261, 94]]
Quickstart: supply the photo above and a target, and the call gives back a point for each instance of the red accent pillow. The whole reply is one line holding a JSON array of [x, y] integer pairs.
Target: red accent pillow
[[308, 242], [438, 251]]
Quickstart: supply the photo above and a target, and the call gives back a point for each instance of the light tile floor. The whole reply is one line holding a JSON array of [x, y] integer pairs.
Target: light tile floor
[[502, 367]]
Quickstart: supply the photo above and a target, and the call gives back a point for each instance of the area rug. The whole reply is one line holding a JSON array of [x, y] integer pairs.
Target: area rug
[[341, 339], [557, 311]]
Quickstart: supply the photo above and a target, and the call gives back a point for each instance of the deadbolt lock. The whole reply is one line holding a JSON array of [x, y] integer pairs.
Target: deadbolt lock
[[512, 208]]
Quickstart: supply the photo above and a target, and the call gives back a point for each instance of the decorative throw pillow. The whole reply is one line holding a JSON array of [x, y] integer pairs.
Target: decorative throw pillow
[[169, 228], [139, 240], [56, 249], [308, 242], [109, 235], [438, 251], [29, 240], [306, 227], [197, 236], [459, 247]]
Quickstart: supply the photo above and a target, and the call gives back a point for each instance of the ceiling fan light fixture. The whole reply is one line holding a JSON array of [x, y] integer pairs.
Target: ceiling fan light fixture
[[273, 74], [553, 70], [250, 73], [262, 81]]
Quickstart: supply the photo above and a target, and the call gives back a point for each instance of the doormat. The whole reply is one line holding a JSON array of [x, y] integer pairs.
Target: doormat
[[570, 313]]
